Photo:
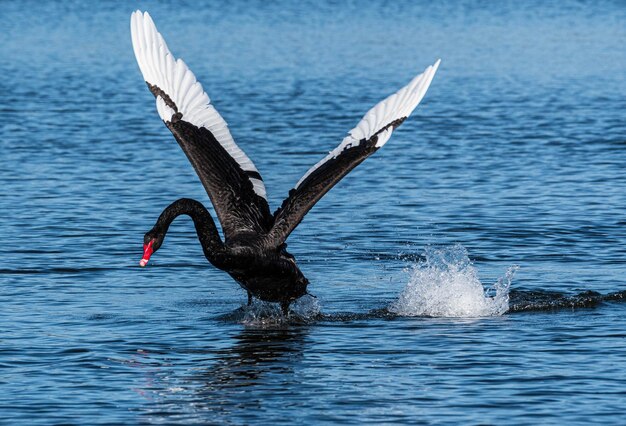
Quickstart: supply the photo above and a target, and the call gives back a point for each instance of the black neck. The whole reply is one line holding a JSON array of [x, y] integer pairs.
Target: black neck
[[205, 226]]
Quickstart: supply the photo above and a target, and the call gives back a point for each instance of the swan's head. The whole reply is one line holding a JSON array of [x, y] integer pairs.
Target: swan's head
[[151, 242]]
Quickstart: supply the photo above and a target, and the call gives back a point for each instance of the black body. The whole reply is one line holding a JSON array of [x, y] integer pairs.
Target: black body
[[268, 273], [254, 250]]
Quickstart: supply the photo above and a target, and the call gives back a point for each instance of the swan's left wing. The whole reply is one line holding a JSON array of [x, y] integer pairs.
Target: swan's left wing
[[228, 175], [372, 132]]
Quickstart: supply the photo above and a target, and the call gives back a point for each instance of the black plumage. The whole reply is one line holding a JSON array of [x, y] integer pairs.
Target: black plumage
[[253, 251]]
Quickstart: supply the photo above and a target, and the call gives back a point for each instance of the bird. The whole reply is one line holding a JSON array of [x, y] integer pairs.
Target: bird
[[254, 250]]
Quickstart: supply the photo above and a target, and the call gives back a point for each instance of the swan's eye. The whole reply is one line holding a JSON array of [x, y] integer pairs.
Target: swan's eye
[[150, 237]]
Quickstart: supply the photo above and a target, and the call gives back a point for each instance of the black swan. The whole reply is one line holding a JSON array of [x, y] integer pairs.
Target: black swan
[[253, 251]]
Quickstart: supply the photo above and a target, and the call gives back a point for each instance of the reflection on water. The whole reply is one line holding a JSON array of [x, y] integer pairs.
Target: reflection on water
[[259, 364]]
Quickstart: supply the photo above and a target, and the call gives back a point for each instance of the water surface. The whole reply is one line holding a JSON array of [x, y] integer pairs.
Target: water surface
[[515, 157]]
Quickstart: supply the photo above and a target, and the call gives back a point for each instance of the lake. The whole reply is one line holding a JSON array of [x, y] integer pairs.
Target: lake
[[471, 272]]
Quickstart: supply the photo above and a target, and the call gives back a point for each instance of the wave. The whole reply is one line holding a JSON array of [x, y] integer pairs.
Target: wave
[[545, 300]]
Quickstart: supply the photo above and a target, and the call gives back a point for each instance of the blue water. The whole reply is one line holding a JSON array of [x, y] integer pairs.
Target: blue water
[[515, 157]]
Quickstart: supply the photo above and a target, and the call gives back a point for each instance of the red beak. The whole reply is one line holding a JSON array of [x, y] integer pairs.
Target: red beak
[[147, 252]]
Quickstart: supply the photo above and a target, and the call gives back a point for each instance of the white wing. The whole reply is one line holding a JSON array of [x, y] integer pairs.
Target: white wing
[[379, 121], [372, 132], [179, 95]]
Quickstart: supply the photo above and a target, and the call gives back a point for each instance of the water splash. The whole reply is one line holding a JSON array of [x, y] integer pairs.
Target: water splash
[[446, 284], [304, 310]]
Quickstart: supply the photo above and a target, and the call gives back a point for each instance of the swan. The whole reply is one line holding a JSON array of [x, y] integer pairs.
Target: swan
[[254, 251]]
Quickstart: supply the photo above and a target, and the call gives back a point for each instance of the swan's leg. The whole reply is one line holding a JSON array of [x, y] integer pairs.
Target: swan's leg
[[249, 299], [284, 306]]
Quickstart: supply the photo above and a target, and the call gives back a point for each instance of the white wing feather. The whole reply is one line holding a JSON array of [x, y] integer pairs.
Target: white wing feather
[[159, 68], [399, 105]]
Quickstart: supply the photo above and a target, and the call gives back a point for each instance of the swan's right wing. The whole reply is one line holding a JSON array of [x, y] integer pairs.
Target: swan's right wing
[[228, 175], [372, 132]]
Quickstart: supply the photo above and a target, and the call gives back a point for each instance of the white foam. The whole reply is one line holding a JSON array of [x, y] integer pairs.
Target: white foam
[[305, 309], [446, 284]]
